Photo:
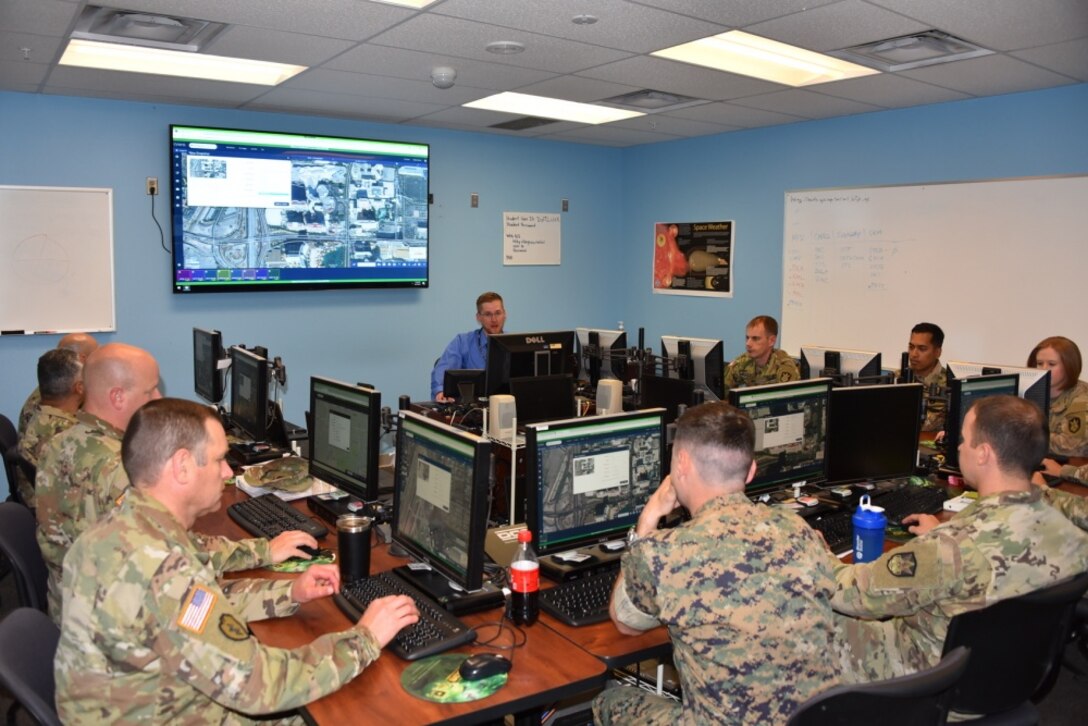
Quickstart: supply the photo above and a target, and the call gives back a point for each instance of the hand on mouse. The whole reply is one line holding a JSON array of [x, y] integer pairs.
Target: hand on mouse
[[920, 523], [386, 616], [287, 544]]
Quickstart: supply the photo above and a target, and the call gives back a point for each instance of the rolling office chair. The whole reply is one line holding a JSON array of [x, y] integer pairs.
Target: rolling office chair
[[915, 700], [1016, 649], [9, 438], [19, 544], [28, 642]]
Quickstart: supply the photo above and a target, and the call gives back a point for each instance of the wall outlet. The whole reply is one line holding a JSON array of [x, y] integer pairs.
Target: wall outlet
[[152, 186]]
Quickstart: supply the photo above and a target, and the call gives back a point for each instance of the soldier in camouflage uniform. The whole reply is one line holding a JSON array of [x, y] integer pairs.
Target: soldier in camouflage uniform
[[60, 380], [80, 477], [151, 636], [1068, 396], [1010, 542], [924, 351], [744, 589], [82, 345], [761, 363]]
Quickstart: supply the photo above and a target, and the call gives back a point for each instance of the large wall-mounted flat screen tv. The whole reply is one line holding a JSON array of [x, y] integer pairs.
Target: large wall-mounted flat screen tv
[[259, 210]]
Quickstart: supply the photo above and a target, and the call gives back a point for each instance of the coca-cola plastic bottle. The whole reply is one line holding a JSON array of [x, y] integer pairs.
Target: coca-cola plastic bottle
[[525, 582]]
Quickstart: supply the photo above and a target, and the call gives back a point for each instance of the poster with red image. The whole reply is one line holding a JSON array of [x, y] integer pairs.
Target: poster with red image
[[693, 258]]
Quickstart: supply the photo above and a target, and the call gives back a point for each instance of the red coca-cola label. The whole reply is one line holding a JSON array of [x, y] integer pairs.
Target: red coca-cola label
[[525, 576]]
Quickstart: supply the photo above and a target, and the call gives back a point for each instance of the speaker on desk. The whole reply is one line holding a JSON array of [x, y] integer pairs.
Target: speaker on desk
[[609, 397], [502, 415]]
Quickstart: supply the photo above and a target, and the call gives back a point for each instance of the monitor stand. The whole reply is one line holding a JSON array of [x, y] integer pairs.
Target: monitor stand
[[458, 602]]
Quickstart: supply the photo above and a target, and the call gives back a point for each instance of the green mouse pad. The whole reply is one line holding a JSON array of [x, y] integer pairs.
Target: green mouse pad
[[436, 679]]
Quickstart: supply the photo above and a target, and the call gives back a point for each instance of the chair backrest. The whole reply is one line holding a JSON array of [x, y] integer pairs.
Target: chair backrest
[[8, 440], [28, 642], [1014, 645], [918, 699], [20, 546]]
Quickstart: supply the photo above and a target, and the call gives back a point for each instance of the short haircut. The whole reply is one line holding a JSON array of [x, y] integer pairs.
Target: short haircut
[[936, 335], [157, 431], [720, 440], [1067, 350], [58, 371], [1014, 428], [770, 325], [486, 298]]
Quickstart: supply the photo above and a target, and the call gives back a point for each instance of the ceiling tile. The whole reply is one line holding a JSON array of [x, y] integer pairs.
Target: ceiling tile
[[43, 17], [414, 64], [888, 90], [1070, 58], [836, 26], [735, 14], [799, 102], [674, 77], [988, 76], [730, 114], [240, 41]]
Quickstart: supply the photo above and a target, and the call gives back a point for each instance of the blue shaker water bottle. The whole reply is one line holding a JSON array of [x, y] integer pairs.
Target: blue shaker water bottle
[[869, 523]]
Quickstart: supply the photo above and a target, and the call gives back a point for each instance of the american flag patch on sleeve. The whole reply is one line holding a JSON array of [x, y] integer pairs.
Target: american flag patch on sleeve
[[198, 606]]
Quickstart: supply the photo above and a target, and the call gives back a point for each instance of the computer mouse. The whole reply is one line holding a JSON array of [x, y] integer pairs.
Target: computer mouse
[[311, 551], [483, 665]]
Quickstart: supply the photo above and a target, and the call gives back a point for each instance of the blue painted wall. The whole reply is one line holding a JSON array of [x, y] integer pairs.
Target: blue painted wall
[[390, 338]]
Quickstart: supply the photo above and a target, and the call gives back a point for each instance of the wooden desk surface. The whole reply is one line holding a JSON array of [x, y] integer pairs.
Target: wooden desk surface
[[548, 668]]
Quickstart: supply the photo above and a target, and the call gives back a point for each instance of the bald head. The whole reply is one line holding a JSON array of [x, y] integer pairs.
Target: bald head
[[80, 343], [117, 380]]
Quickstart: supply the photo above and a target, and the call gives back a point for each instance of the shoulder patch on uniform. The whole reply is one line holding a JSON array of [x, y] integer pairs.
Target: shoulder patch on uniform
[[785, 376], [231, 627], [903, 564], [1074, 424], [196, 609]]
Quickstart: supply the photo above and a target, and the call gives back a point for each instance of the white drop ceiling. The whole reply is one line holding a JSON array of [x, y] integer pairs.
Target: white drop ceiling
[[372, 61]]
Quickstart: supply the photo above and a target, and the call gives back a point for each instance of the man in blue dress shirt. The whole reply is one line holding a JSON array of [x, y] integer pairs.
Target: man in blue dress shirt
[[469, 350]]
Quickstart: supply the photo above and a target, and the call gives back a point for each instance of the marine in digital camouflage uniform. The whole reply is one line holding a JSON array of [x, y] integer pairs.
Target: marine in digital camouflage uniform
[[150, 636], [745, 592], [936, 405], [30, 407], [744, 371], [43, 426], [1010, 542], [1069, 421]]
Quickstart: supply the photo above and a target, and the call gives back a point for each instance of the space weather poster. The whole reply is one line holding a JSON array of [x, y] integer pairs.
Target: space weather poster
[[693, 258]]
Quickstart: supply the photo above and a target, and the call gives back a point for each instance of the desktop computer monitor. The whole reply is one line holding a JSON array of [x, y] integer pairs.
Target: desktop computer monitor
[[464, 385], [544, 398], [601, 354], [873, 432], [344, 430], [440, 497], [839, 364], [520, 355], [207, 352], [697, 359], [589, 478], [791, 422], [962, 393], [1034, 382], [667, 393], [249, 409]]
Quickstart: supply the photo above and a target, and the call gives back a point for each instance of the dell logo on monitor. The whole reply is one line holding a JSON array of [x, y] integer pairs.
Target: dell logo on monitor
[[534, 339]]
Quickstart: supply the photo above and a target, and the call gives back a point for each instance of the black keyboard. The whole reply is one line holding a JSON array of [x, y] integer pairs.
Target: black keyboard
[[910, 499], [268, 515], [837, 529], [436, 631], [580, 602]]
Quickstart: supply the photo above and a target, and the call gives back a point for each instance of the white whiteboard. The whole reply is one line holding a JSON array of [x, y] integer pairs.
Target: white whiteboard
[[56, 248], [999, 265]]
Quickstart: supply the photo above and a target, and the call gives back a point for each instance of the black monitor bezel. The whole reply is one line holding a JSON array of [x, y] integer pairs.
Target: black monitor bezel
[[534, 511], [530, 411], [212, 374], [594, 363], [369, 490], [736, 394], [472, 579], [259, 432], [713, 372], [906, 403], [502, 347]]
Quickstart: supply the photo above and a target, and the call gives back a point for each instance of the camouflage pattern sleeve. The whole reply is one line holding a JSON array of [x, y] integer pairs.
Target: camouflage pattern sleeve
[[785, 367], [260, 599], [228, 555], [903, 580], [1069, 421], [936, 406], [30, 407], [1075, 473], [732, 379], [639, 580], [1075, 508]]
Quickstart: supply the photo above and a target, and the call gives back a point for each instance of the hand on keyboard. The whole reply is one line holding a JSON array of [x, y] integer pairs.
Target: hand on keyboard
[[289, 544], [316, 582], [387, 616], [919, 523]]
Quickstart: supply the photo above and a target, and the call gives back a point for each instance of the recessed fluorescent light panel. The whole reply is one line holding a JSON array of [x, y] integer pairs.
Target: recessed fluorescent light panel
[[137, 59], [751, 55], [526, 105]]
